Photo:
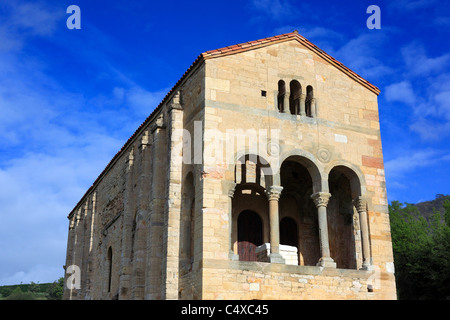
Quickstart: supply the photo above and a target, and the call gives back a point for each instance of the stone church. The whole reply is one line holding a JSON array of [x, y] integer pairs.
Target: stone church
[[260, 175]]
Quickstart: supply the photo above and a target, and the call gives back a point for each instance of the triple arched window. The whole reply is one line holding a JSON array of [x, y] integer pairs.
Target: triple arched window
[[291, 99]]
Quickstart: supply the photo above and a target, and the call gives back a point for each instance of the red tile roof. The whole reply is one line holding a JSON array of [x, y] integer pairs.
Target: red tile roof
[[250, 45]]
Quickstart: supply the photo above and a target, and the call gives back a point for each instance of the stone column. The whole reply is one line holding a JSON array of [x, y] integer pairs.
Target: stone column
[[321, 202], [69, 257], [361, 207], [231, 254], [273, 194], [79, 248], [302, 105], [172, 210], [126, 250], [314, 107], [158, 169], [286, 102]]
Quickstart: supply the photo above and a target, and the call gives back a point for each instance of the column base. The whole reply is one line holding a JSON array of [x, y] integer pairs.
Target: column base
[[326, 262], [233, 256], [367, 266], [276, 258]]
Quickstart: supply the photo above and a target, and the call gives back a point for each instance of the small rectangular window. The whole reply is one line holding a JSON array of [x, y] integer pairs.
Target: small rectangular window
[[263, 93]]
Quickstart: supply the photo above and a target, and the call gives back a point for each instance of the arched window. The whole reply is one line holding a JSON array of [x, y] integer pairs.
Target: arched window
[[250, 235], [109, 267], [294, 99], [187, 224], [281, 94], [309, 106]]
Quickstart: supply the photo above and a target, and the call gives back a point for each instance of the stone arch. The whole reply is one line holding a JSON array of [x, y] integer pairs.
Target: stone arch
[[307, 160], [353, 173], [344, 227], [251, 181], [297, 176], [253, 169]]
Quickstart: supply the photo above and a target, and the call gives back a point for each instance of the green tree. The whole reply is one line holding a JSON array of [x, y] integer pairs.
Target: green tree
[[33, 287], [411, 242], [55, 291], [421, 252]]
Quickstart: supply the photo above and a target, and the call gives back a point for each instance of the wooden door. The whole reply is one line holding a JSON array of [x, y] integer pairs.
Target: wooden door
[[249, 235]]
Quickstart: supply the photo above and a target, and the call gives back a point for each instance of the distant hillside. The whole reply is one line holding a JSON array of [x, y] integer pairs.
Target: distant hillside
[[427, 208], [33, 291]]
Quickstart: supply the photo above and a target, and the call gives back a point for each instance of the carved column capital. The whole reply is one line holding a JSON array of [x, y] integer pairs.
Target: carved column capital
[[321, 198], [232, 190], [274, 192], [158, 123], [175, 102], [360, 204]]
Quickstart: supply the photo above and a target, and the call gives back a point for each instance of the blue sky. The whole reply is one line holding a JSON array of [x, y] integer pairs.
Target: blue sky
[[69, 99]]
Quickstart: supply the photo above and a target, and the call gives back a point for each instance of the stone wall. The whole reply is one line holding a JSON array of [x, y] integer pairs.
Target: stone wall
[[341, 139], [161, 221], [268, 281]]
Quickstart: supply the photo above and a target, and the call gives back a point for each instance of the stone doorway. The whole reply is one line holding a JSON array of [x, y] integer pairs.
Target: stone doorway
[[250, 235]]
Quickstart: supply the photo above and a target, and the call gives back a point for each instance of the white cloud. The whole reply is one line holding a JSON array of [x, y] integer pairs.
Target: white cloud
[[413, 160], [400, 91], [411, 5], [419, 64], [430, 130], [22, 20], [54, 145], [361, 54], [39, 273], [143, 101], [275, 9], [36, 18]]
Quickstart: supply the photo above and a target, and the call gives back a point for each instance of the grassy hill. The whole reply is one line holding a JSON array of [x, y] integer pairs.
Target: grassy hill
[[33, 291]]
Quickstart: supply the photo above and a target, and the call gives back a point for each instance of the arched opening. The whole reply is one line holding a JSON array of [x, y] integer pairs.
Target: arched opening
[[250, 235], [343, 222], [281, 94], [252, 174], [309, 108], [252, 169], [294, 99], [288, 232], [187, 224], [109, 264], [296, 203]]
